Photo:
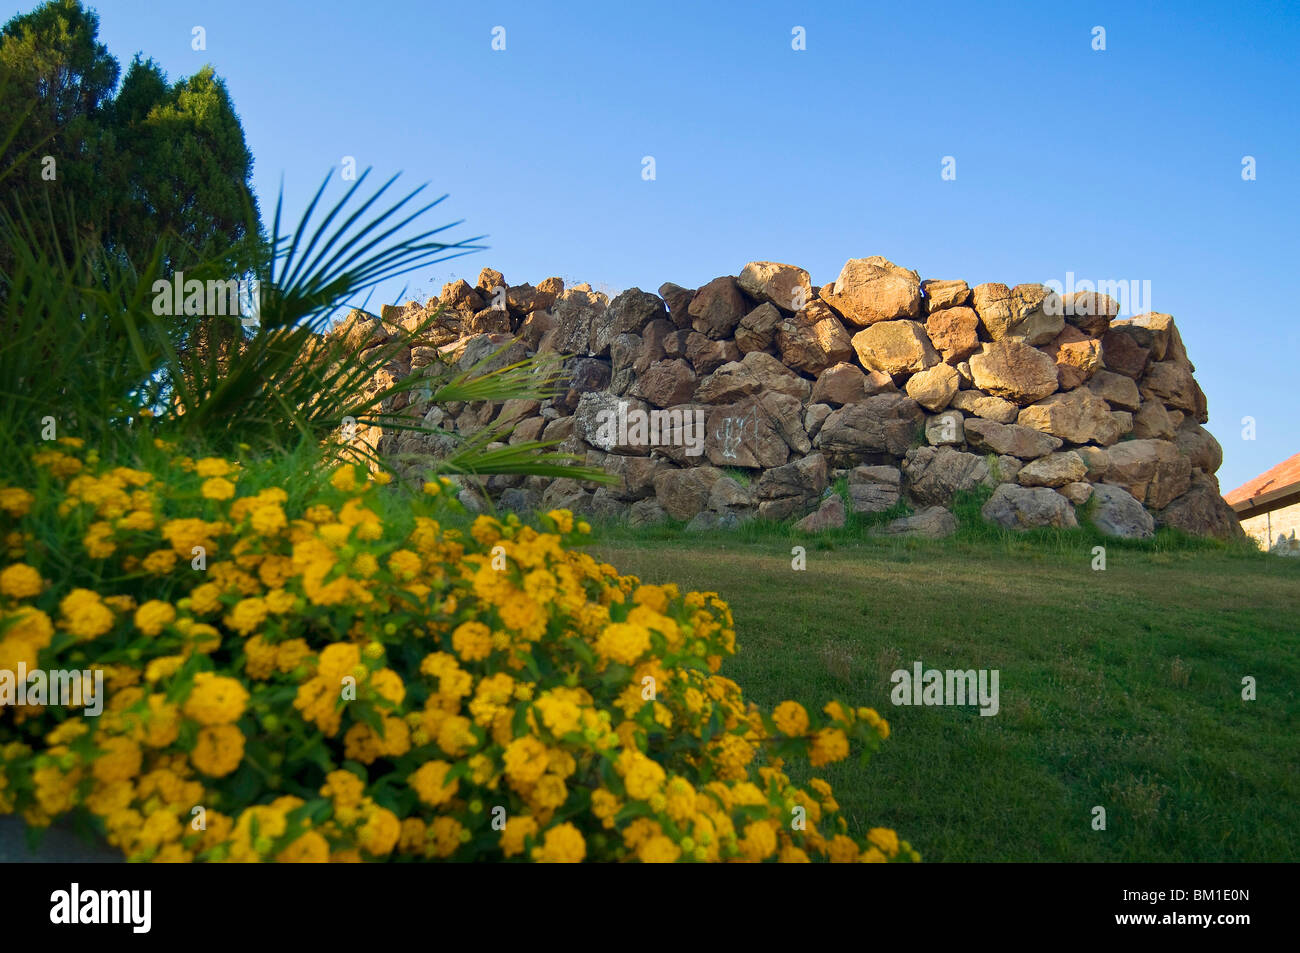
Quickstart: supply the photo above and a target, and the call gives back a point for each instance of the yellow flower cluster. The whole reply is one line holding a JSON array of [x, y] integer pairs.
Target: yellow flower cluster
[[350, 674]]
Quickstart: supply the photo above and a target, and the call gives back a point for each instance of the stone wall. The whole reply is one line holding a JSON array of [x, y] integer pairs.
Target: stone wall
[[910, 389]]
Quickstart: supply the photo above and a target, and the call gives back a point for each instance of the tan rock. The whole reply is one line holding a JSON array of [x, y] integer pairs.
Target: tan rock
[[1152, 331], [1123, 355], [1174, 385], [707, 355], [717, 308], [933, 388], [1079, 416], [1014, 370], [1115, 389], [1054, 470], [954, 332], [1077, 356], [874, 289], [944, 294], [1090, 312], [1152, 421], [1024, 443], [786, 286], [813, 339], [1029, 313], [982, 405], [896, 348], [1077, 493], [666, 383], [459, 296], [846, 383], [1152, 470], [754, 374], [757, 330]]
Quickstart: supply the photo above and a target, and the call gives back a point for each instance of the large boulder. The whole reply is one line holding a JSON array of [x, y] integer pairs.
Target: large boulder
[[813, 339], [942, 294], [756, 373], [744, 435], [1122, 354], [757, 330], [846, 383], [1090, 311], [1054, 470], [1024, 443], [666, 383], [874, 289], [885, 423], [933, 522], [1202, 511], [597, 421], [1079, 416], [706, 354], [1013, 370], [933, 388], [1119, 391], [830, 515], [954, 332], [678, 300], [632, 310], [1173, 383], [1200, 447], [793, 489], [1028, 313], [984, 405], [1116, 513], [932, 475], [1152, 470], [1022, 507], [575, 314], [896, 348], [786, 286], [1152, 330], [874, 489], [683, 493], [717, 308], [1077, 356]]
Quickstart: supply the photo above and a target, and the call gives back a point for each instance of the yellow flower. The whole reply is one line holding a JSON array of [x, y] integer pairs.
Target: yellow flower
[[472, 641], [151, 617], [791, 718], [829, 745], [20, 581], [216, 699], [562, 845], [159, 563], [517, 830], [211, 467], [310, 848], [885, 839], [563, 520], [217, 488], [219, 750], [525, 761], [15, 501], [623, 642], [430, 784], [379, 834], [84, 614], [658, 850]]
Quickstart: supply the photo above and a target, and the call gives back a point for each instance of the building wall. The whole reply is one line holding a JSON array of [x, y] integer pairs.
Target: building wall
[[1284, 522]]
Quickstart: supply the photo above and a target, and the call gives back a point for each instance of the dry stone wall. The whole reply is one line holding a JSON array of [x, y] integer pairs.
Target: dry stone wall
[[749, 396]]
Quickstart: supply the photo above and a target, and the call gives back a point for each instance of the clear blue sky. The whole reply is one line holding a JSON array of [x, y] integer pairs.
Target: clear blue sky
[[1116, 165]]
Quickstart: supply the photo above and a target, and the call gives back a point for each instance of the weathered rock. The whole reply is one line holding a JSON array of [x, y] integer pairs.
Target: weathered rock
[[896, 348], [596, 420], [575, 313], [830, 515], [683, 493], [1202, 511], [524, 299], [1024, 507], [459, 296], [1077, 356], [513, 411], [1200, 447], [632, 310], [846, 383], [744, 435], [1023, 313], [933, 388], [954, 332], [786, 286], [651, 348], [678, 300], [489, 280], [1152, 331], [1014, 370], [874, 489], [1090, 312], [757, 330], [1077, 493], [814, 417], [933, 522], [585, 375], [708, 355], [1079, 416], [794, 488], [813, 339], [1096, 460], [982, 405], [947, 428], [1173, 383], [932, 475], [646, 513], [666, 383], [1119, 391], [1152, 470], [534, 327], [944, 294], [1116, 513], [883, 423], [1123, 355], [623, 351], [727, 494], [717, 308], [874, 289], [1054, 470], [1025, 443], [754, 374], [1152, 421]]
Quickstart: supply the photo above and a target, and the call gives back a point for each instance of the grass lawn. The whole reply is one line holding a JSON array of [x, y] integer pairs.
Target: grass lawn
[[1120, 688]]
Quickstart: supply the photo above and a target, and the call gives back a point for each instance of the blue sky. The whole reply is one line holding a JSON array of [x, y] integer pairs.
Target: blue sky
[[1122, 164]]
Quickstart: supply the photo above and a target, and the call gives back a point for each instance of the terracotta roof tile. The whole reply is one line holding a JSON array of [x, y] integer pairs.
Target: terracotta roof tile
[[1286, 473]]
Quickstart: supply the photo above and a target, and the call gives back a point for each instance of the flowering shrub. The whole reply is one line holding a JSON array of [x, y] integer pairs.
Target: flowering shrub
[[327, 672]]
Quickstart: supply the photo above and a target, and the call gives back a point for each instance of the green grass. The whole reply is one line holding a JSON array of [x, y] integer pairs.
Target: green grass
[[1119, 688]]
